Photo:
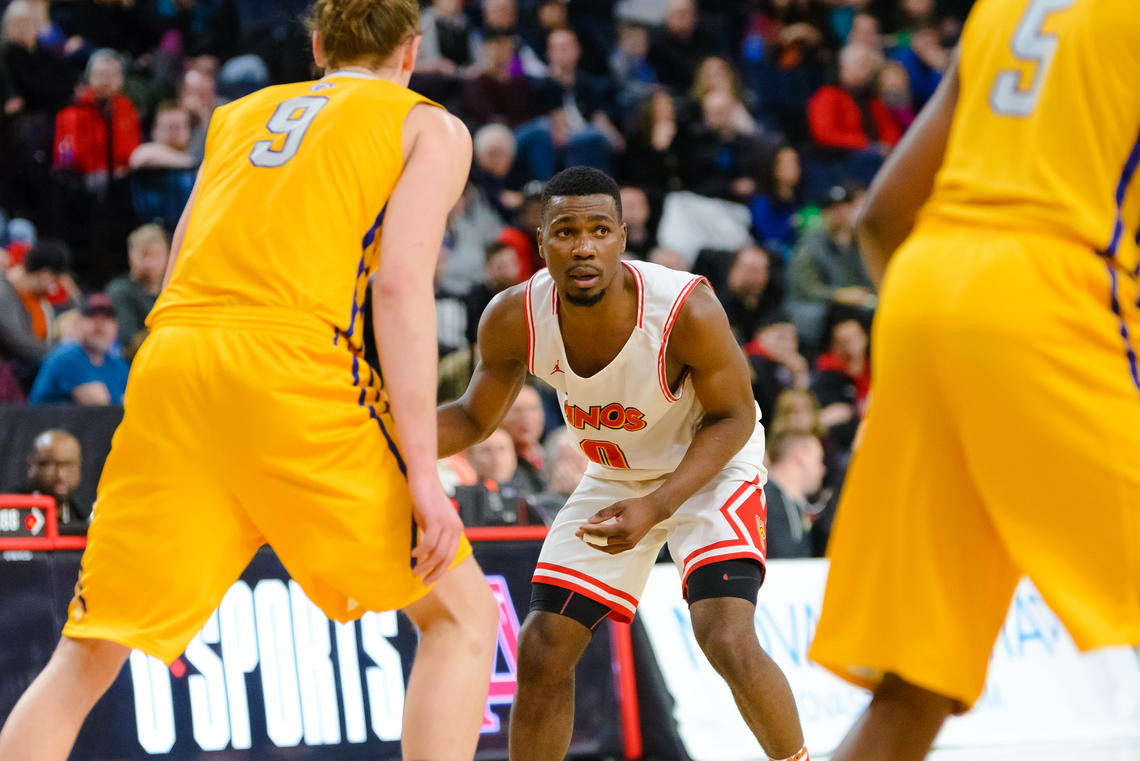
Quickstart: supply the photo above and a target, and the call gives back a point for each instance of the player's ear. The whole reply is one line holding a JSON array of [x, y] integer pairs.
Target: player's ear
[[319, 50], [410, 53]]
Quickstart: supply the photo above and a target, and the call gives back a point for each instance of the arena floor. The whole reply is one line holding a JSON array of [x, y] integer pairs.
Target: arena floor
[[1116, 752], [1041, 753]]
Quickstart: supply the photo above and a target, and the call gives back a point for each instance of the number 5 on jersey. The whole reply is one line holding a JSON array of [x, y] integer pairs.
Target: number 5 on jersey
[[1030, 45], [291, 119]]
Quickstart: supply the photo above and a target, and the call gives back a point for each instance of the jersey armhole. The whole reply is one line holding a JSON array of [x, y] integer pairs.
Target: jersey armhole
[[529, 327], [662, 375]]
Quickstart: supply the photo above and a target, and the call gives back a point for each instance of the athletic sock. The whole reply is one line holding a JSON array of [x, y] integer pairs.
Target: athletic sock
[[801, 755]]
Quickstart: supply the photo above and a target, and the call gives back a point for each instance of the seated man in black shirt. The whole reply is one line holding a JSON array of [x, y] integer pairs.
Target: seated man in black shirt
[[795, 473], [54, 470]]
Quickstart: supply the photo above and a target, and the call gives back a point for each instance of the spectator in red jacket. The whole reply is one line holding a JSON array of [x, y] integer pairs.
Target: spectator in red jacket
[[843, 380], [851, 115], [100, 110]]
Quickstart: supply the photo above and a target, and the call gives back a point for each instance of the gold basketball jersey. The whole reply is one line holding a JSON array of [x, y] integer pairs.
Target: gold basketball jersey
[[291, 200], [1046, 133]]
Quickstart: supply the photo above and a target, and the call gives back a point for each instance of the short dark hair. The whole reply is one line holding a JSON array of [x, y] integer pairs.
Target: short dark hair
[[581, 181], [491, 250], [48, 254]]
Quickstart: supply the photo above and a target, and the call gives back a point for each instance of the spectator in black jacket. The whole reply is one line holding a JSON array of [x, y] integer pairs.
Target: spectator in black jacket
[[39, 82], [751, 296], [579, 128], [637, 213], [500, 270], [496, 92], [650, 159], [716, 158], [776, 363], [678, 46], [795, 473]]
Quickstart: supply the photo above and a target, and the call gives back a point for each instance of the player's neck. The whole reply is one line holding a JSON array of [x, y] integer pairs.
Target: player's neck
[[387, 73], [787, 483]]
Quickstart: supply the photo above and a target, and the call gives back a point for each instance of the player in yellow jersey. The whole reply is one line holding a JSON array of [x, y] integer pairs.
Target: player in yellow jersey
[[1003, 437], [251, 416]]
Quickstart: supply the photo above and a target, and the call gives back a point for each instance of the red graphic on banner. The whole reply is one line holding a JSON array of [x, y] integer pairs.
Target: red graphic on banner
[[504, 679]]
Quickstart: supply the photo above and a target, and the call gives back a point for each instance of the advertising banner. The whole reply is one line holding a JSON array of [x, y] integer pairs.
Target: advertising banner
[[1039, 689], [270, 677]]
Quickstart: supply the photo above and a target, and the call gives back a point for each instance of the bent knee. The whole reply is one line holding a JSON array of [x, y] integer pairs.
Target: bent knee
[[461, 605], [724, 650], [94, 661], [549, 647]]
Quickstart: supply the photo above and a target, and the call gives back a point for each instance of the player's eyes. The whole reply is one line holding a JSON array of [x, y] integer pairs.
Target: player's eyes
[[603, 230]]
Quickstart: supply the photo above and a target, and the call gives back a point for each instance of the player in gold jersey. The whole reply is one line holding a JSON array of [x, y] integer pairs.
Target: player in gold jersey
[[1007, 397], [251, 416]]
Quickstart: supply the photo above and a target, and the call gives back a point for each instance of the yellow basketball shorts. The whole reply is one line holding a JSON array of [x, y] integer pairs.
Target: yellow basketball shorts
[[1003, 439], [238, 432]]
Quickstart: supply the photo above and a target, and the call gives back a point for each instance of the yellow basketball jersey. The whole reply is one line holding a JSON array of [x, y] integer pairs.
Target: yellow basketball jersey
[[1046, 133], [291, 199]]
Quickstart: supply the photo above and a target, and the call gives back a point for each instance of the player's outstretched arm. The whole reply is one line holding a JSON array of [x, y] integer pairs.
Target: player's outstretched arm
[[499, 374], [906, 179], [701, 341], [437, 159]]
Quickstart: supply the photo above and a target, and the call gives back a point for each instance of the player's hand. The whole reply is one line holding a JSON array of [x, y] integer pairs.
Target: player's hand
[[853, 296], [621, 526], [440, 529], [836, 413], [662, 134], [743, 187]]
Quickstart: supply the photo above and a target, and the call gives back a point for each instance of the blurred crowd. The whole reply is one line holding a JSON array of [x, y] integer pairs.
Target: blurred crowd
[[742, 132]]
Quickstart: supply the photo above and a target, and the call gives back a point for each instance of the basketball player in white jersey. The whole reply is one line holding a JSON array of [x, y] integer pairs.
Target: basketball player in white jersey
[[656, 392]]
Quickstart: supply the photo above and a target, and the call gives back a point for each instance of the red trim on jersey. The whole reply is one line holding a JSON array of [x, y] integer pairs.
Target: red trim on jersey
[[586, 577], [709, 547], [661, 375], [626, 683], [724, 509], [730, 516], [744, 554], [529, 328], [616, 613], [640, 293]]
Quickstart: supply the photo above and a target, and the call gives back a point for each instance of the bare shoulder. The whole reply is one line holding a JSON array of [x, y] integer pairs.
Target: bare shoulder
[[435, 125], [701, 328], [701, 312], [503, 327], [437, 146]]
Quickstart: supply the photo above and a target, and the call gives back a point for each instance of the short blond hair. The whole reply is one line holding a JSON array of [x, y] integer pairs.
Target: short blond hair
[[363, 31], [16, 9], [148, 233]]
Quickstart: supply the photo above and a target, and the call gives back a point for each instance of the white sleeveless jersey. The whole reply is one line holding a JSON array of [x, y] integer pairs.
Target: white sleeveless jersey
[[625, 418]]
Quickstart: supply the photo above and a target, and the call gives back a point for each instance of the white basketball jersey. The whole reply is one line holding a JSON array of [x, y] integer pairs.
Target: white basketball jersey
[[625, 418]]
